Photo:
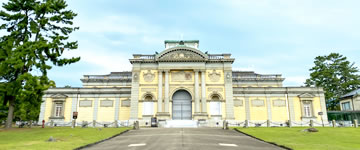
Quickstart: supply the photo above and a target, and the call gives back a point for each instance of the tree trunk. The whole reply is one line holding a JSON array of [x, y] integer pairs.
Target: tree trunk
[[10, 113]]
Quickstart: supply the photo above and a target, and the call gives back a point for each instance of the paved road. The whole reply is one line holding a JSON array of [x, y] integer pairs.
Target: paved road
[[183, 139]]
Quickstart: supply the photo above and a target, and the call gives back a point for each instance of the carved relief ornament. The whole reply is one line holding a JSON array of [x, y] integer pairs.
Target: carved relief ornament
[[181, 76], [148, 76], [182, 55], [214, 76]]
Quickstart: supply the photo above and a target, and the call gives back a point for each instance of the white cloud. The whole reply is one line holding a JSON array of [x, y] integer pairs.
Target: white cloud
[[294, 80], [101, 59]]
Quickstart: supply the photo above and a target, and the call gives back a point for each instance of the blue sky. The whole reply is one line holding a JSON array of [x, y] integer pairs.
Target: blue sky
[[269, 37]]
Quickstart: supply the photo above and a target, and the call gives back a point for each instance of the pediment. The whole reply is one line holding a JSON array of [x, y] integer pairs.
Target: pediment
[[182, 54], [306, 95], [59, 96]]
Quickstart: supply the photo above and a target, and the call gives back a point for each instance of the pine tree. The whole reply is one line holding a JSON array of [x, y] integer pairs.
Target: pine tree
[[336, 75], [38, 33]]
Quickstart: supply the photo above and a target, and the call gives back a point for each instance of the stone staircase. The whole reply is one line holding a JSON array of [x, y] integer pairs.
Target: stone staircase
[[180, 124]]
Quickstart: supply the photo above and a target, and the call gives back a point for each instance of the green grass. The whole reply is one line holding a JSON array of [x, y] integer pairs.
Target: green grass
[[66, 137], [326, 139]]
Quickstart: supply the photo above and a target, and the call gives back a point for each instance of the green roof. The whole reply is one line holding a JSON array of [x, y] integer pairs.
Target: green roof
[[178, 41]]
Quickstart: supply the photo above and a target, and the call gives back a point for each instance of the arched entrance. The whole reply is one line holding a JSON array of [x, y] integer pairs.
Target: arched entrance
[[181, 105]]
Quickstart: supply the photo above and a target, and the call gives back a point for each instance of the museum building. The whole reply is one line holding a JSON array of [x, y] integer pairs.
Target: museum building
[[184, 83]]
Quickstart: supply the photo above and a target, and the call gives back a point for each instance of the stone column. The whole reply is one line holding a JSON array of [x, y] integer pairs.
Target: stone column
[[167, 91], [203, 91], [160, 91], [197, 100]]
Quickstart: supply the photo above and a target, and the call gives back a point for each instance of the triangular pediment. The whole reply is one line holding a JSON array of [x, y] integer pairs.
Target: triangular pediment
[[306, 95], [182, 54], [58, 96]]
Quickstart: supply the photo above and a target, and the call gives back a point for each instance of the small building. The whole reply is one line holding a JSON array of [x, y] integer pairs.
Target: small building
[[350, 101]]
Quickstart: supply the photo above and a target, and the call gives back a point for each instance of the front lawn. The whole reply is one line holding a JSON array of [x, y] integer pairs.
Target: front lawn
[[326, 139], [66, 137]]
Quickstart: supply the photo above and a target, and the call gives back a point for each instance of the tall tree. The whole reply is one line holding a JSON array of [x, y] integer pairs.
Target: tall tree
[[336, 75], [38, 33]]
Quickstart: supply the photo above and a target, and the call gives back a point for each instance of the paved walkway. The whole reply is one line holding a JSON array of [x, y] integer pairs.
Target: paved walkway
[[183, 139]]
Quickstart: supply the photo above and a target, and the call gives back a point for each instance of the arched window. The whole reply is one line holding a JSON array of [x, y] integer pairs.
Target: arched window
[[148, 105], [215, 105], [148, 98], [215, 97]]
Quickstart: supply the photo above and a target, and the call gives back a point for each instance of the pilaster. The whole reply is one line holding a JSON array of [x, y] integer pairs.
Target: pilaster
[[268, 104], [96, 104], [73, 105], [203, 92], [247, 108], [159, 107], [134, 96], [117, 104], [197, 100], [229, 102], [291, 108], [42, 109], [323, 107], [166, 91]]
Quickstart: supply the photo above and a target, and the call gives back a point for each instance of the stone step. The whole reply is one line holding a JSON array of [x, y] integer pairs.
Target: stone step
[[181, 124]]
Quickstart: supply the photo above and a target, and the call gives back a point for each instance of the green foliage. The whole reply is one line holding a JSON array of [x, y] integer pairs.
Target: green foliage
[[336, 75], [38, 33]]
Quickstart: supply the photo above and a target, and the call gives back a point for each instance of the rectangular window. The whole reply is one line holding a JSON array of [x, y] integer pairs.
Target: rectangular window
[[307, 110], [346, 106], [58, 109], [148, 108], [215, 108]]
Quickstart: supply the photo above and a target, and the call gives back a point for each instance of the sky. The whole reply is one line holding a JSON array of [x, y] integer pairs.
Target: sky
[[268, 37]]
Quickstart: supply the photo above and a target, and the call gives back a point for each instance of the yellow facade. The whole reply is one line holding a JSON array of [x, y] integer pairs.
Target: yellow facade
[[279, 111], [124, 112], [86, 113], [260, 95], [258, 112]]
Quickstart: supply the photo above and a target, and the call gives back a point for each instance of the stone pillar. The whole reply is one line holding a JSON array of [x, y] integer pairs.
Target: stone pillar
[[291, 108], [247, 108], [74, 102], [96, 104], [166, 91], [355, 123], [160, 91], [42, 109], [289, 123], [134, 103], [197, 100], [117, 106], [268, 104], [229, 102], [323, 107], [203, 92]]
